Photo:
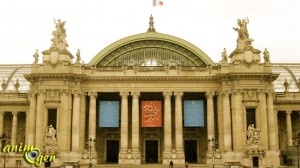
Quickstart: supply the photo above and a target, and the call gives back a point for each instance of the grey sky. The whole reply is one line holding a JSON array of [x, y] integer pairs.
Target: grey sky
[[94, 24]]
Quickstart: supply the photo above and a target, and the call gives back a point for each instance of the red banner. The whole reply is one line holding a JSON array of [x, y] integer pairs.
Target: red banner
[[151, 113]]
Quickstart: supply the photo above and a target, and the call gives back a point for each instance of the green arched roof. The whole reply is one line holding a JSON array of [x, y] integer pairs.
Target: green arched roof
[[148, 36]]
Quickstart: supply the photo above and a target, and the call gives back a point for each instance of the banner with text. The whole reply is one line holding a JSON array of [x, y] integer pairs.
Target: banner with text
[[151, 113], [193, 113], [109, 114]]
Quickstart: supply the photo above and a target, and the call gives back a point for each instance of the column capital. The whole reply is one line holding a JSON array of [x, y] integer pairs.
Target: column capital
[[178, 94], [15, 113], [1, 113], [238, 91], [225, 92], [135, 94], [167, 94], [210, 94], [124, 94], [288, 112], [92, 94]]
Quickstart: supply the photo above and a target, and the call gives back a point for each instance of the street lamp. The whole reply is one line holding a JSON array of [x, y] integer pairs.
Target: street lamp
[[212, 144], [297, 139], [3, 138], [91, 144]]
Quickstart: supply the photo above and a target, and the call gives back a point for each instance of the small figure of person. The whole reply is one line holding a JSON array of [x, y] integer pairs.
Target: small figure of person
[[266, 56], [171, 164], [186, 164], [78, 58], [36, 57]]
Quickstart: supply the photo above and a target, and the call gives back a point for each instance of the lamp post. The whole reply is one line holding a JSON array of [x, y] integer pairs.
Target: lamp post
[[297, 139], [3, 138], [91, 144], [212, 144]]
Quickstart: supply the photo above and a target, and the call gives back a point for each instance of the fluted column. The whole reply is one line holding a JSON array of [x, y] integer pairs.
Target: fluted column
[[31, 119], [210, 116], [92, 115], [227, 122], [135, 139], [75, 122], [62, 130], [271, 122], [124, 122], [239, 122], [1, 122], [289, 128], [178, 122], [14, 128], [167, 122], [263, 118], [39, 129]]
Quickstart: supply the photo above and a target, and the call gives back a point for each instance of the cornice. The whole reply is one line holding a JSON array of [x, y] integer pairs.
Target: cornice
[[14, 103], [64, 76], [286, 102], [231, 76], [151, 78]]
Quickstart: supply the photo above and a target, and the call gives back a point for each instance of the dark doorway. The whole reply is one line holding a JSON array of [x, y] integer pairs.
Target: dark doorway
[[255, 161], [47, 164], [151, 151], [190, 150], [112, 151]]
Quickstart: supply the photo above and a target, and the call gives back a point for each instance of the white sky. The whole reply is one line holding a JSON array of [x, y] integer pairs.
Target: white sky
[[26, 25]]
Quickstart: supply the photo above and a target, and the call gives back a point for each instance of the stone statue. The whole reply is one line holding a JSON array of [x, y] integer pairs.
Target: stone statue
[[78, 58], [49, 145], [253, 135], [59, 39], [243, 35], [224, 56], [36, 57], [242, 31], [266, 56]]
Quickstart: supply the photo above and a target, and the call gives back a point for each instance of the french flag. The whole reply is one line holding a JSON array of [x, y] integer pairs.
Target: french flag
[[158, 3]]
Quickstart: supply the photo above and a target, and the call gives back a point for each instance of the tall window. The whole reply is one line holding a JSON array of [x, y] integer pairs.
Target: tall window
[[250, 114]]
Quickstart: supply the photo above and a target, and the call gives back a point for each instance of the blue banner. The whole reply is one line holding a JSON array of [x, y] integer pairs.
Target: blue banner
[[193, 113], [109, 114]]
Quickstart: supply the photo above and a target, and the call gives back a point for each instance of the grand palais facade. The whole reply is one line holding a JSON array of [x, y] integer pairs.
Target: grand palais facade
[[149, 99]]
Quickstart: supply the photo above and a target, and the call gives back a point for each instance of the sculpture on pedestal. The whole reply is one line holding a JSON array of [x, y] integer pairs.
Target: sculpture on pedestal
[[50, 144], [59, 39], [253, 146]]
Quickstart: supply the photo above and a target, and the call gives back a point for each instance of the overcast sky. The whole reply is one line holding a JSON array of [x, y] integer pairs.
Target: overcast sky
[[26, 25]]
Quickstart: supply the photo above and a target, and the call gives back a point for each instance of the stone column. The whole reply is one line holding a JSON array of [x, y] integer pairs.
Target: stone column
[[135, 139], [178, 123], [271, 122], [289, 128], [62, 129], [210, 116], [220, 121], [227, 122], [1, 122], [39, 121], [124, 122], [167, 126], [14, 128], [92, 116], [263, 118], [75, 122], [240, 135], [31, 119], [135, 121]]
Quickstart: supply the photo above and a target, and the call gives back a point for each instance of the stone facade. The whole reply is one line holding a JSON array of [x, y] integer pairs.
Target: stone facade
[[237, 91]]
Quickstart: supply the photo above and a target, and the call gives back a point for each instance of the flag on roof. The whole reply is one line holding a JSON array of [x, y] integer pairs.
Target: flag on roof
[[158, 2]]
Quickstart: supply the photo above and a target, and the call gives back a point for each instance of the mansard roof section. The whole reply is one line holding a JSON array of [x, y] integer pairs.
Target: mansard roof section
[[151, 49]]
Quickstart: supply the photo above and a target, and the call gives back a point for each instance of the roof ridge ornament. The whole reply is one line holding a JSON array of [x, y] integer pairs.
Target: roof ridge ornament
[[151, 25]]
